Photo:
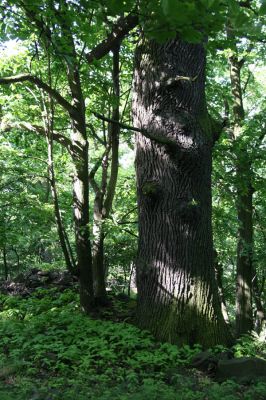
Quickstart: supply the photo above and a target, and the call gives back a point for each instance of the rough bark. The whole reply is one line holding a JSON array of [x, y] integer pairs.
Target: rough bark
[[177, 291], [244, 268]]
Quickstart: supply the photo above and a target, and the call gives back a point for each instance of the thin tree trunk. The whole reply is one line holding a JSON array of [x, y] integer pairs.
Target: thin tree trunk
[[48, 188], [81, 214], [98, 231], [131, 274], [114, 135], [80, 148], [219, 277], [18, 259], [65, 47], [244, 317], [17, 255], [5, 263], [48, 122], [60, 229], [260, 310], [177, 291], [102, 208], [69, 248], [244, 268], [98, 244]]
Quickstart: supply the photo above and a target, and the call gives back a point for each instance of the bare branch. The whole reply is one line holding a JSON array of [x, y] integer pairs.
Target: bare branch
[[127, 222]]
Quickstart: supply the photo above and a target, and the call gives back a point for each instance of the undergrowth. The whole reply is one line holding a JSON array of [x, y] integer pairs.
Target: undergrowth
[[50, 351]]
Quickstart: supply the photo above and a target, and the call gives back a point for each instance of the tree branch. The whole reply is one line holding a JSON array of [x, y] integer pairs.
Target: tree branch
[[129, 212], [96, 167], [94, 134], [218, 127], [123, 26], [39, 83], [61, 139], [92, 173], [247, 82], [163, 140], [129, 232]]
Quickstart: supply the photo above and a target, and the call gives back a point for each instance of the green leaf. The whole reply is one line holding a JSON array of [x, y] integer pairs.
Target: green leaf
[[169, 6], [208, 3], [191, 35], [262, 10], [116, 6]]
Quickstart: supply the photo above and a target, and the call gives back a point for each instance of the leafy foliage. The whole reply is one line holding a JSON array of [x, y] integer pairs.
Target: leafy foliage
[[49, 350]]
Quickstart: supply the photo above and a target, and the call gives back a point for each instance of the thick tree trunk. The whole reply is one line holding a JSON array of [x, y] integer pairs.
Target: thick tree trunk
[[177, 291], [244, 268]]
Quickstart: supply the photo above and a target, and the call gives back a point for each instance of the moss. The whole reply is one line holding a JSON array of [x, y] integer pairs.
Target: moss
[[150, 188]]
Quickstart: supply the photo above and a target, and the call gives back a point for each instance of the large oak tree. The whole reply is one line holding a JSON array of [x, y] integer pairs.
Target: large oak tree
[[177, 292]]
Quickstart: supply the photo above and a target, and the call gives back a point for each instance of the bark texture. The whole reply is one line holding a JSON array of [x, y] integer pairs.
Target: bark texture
[[177, 292]]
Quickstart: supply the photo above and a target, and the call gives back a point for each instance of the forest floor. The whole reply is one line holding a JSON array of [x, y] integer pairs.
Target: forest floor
[[49, 350]]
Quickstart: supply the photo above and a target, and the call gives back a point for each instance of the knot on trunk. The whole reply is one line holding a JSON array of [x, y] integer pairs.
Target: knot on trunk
[[189, 209], [151, 189]]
